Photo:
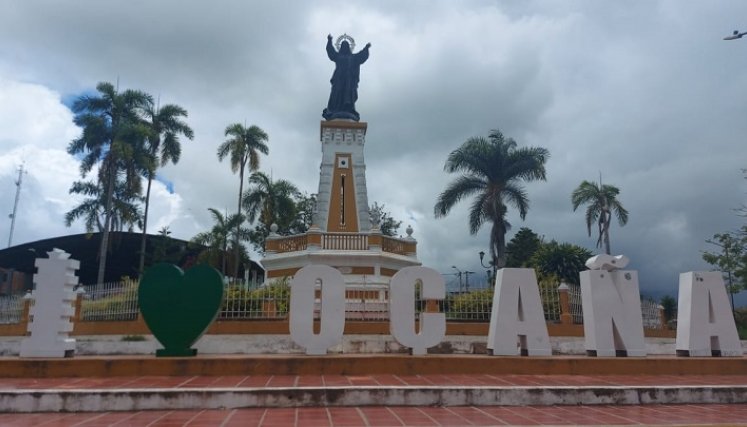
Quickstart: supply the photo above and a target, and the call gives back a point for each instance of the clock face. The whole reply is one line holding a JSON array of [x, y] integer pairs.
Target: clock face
[[342, 162]]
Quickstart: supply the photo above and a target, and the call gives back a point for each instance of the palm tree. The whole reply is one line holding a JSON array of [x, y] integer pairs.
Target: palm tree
[[492, 171], [125, 209], [243, 145], [602, 201], [218, 238], [270, 201], [163, 146], [113, 136]]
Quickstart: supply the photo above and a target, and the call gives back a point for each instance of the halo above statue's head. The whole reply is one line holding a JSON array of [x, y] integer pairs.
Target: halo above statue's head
[[347, 38]]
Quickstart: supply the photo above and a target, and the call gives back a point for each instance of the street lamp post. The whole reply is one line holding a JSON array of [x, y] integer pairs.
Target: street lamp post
[[466, 280], [459, 273], [733, 36], [490, 266]]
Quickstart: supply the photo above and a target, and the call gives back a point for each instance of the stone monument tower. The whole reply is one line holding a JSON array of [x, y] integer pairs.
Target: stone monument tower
[[343, 235], [342, 200]]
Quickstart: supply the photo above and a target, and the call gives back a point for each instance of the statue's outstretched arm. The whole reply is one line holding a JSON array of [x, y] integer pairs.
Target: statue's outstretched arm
[[362, 56], [331, 53]]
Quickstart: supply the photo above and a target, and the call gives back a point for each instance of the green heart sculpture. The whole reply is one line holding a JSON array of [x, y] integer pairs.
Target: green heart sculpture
[[178, 307]]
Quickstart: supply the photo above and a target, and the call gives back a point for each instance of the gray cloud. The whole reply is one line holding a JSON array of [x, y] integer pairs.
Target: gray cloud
[[644, 92]]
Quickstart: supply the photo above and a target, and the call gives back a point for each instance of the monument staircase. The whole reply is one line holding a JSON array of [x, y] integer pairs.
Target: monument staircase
[[129, 383]]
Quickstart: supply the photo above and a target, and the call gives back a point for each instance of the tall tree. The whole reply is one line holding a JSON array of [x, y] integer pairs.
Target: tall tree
[[113, 136], [218, 239], [563, 261], [492, 170], [270, 202], [125, 209], [521, 247], [243, 145], [163, 147], [602, 201], [387, 224], [305, 208], [162, 244], [730, 259]]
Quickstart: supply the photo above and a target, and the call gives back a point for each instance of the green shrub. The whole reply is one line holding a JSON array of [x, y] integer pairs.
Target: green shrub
[[475, 305], [562, 260], [239, 299]]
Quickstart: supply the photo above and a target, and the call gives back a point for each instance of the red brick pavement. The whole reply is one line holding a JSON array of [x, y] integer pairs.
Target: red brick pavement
[[734, 414]]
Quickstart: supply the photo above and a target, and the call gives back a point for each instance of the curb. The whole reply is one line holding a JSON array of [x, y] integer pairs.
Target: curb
[[395, 364], [98, 400]]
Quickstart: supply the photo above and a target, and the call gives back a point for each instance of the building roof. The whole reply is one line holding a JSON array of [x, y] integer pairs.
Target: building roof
[[123, 258]]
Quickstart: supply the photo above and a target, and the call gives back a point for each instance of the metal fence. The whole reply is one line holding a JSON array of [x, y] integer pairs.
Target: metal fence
[[650, 314], [550, 301], [574, 303], [11, 309], [473, 306], [118, 301], [245, 302], [649, 309], [110, 301], [365, 302], [477, 306]]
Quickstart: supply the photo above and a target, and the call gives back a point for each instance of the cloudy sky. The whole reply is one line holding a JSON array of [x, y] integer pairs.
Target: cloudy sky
[[644, 92]]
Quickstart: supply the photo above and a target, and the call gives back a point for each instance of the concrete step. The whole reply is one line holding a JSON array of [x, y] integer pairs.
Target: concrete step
[[136, 399], [134, 383], [366, 364]]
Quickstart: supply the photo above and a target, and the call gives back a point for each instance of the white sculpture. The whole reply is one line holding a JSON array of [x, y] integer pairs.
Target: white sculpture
[[607, 262], [376, 213], [517, 323], [332, 313], [402, 308], [53, 307], [705, 325], [611, 300]]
